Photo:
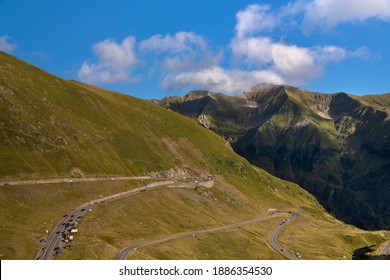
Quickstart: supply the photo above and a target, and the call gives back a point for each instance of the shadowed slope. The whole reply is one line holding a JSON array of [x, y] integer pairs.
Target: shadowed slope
[[336, 146]]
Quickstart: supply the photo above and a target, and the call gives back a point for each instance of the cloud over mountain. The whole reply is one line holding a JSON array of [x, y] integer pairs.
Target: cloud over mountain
[[329, 13], [115, 62], [185, 60], [6, 45]]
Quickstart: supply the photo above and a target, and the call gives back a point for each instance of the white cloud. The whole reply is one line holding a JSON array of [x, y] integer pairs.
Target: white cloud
[[295, 64], [254, 18], [179, 42], [257, 59], [186, 59], [254, 51], [292, 9], [335, 54], [257, 18], [180, 52], [290, 63], [326, 14], [219, 79], [168, 55], [6, 45], [115, 63], [191, 61], [329, 13]]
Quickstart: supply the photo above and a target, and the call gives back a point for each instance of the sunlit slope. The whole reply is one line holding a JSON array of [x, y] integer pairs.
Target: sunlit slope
[[55, 128], [50, 127]]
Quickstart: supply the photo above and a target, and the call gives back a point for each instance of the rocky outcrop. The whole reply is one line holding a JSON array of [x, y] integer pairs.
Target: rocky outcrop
[[203, 120]]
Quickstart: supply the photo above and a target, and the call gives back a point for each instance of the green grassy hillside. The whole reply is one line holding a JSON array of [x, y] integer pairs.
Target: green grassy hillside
[[54, 128]]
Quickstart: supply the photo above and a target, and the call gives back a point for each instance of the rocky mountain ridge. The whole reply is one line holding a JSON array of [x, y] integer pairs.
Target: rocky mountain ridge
[[334, 145]]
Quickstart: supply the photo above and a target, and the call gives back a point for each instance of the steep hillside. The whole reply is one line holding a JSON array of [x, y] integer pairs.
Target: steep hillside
[[51, 128], [333, 145]]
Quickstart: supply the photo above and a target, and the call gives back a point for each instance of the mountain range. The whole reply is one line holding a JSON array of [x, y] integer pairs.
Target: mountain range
[[336, 146]]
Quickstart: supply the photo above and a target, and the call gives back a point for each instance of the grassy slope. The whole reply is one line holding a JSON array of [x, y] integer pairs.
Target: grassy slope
[[49, 127]]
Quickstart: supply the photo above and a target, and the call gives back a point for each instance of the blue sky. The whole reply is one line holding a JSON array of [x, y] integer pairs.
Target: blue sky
[[151, 49]]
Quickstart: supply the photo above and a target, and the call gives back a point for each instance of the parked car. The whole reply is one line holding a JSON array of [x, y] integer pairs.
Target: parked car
[[57, 253]]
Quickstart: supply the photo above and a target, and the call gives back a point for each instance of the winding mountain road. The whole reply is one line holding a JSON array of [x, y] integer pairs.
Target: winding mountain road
[[75, 180], [53, 242], [272, 240], [54, 238]]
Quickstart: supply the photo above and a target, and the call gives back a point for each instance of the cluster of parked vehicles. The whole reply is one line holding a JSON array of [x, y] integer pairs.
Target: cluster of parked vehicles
[[66, 229]]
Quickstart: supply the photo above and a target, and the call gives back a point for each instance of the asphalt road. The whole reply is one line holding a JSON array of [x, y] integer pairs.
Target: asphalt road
[[73, 180], [272, 240], [55, 237], [385, 253]]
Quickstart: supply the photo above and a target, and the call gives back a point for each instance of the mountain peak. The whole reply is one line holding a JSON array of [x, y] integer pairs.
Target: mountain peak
[[196, 94], [264, 88]]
